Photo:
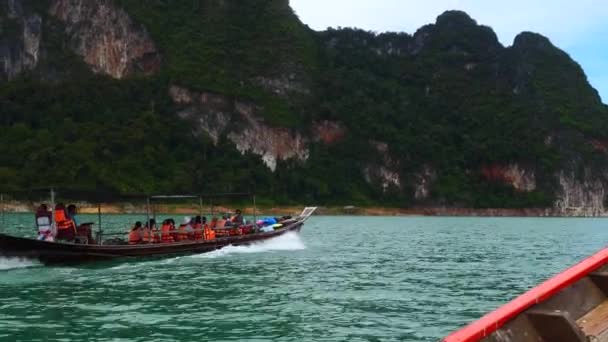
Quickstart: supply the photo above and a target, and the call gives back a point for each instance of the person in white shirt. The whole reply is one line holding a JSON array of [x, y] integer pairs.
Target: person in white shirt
[[44, 224]]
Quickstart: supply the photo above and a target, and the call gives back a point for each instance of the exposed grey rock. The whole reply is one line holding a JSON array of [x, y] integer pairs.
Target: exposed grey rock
[[107, 38], [20, 52], [217, 115]]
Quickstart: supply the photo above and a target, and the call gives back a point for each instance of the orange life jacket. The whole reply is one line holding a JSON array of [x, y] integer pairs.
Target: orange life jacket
[[236, 231], [63, 222], [198, 231], [134, 237], [146, 238], [209, 234], [183, 233], [166, 233]]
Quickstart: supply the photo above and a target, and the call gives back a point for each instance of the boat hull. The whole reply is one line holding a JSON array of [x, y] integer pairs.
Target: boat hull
[[69, 253], [571, 306]]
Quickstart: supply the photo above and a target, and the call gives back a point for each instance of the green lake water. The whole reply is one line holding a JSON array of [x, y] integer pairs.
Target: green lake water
[[341, 279]]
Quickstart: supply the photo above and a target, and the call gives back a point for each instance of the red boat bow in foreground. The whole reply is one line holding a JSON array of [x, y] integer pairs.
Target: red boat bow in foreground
[[572, 306]]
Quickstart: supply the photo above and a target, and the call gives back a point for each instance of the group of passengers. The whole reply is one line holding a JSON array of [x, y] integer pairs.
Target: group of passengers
[[66, 228], [190, 230]]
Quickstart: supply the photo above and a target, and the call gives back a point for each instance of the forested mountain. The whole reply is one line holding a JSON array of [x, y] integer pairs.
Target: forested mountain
[[229, 95]]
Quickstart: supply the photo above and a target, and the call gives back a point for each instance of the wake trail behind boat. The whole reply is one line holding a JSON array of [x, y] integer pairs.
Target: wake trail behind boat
[[7, 264], [288, 242]]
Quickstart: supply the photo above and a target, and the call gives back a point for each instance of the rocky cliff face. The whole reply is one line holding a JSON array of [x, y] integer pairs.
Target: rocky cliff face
[[447, 110], [580, 196], [21, 33], [103, 35], [106, 37], [282, 86], [384, 172], [424, 183], [218, 116], [520, 178]]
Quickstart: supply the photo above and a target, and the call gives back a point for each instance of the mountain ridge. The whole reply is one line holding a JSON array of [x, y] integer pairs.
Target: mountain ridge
[[164, 96]]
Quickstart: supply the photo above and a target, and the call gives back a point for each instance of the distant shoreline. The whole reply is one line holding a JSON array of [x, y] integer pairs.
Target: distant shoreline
[[180, 209]]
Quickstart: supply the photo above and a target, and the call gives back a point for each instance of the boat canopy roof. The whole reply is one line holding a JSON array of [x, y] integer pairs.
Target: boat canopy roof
[[98, 196], [205, 196]]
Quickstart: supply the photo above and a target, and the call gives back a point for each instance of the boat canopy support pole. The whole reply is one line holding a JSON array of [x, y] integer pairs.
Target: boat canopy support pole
[[53, 224], [255, 218], [200, 206], [148, 211], [153, 234], [99, 231], [2, 210]]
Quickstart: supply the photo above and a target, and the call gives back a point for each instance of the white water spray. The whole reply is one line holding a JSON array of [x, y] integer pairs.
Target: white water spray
[[287, 242], [16, 263]]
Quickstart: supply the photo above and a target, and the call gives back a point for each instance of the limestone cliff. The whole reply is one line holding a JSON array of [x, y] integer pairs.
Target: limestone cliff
[[106, 37], [424, 183], [102, 34], [21, 31], [218, 115], [580, 196], [520, 178], [444, 117], [384, 171]]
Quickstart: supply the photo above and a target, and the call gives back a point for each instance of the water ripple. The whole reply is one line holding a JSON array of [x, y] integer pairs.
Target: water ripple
[[342, 279]]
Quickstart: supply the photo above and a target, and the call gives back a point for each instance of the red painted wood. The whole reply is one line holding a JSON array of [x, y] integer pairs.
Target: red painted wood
[[496, 319]]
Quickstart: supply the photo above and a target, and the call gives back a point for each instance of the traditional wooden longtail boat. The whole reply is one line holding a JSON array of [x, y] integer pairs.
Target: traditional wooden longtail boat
[[570, 307], [58, 252]]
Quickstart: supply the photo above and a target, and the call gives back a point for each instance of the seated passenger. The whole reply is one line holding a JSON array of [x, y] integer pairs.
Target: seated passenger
[[220, 224], [84, 231], [228, 223], [155, 235], [165, 232], [184, 230], [149, 231], [135, 235], [198, 228], [190, 229], [66, 228], [43, 223], [72, 214], [209, 234], [237, 220], [173, 230]]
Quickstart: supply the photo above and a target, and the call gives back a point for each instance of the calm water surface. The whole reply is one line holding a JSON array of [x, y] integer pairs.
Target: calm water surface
[[341, 279]]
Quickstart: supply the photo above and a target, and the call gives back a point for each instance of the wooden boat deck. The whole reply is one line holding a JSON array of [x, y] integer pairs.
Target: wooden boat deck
[[595, 323]]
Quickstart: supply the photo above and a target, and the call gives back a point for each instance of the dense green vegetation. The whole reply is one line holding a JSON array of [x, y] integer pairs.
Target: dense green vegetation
[[129, 144], [449, 97], [224, 46]]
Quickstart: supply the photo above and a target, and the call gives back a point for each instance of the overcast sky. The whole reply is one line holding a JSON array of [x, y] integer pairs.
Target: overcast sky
[[580, 27]]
